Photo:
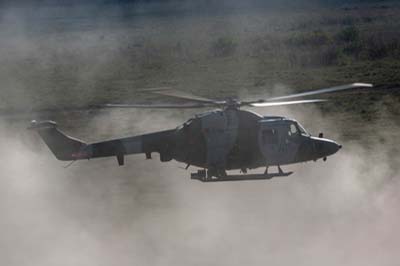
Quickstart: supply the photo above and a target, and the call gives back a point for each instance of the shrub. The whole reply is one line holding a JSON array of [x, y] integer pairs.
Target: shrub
[[331, 56], [353, 48], [368, 19], [224, 46], [348, 20], [376, 48], [349, 34], [315, 38], [326, 56], [394, 48]]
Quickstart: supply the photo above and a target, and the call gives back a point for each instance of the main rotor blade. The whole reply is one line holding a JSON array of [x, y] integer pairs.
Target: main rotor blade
[[179, 94], [321, 91], [156, 106], [154, 89], [271, 104]]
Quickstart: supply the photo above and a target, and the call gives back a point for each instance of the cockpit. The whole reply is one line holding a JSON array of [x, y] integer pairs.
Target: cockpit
[[295, 129], [278, 130], [300, 128], [185, 125]]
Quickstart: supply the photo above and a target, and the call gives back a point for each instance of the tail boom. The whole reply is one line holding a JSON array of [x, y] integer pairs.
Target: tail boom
[[66, 148]]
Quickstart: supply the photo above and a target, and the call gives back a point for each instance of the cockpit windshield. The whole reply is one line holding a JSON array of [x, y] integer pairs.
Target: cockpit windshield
[[302, 130], [187, 123]]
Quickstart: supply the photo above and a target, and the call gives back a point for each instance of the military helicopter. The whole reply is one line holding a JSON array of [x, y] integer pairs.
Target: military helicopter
[[228, 138]]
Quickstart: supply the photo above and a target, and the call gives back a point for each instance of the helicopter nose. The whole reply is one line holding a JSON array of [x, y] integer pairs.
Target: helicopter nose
[[330, 147]]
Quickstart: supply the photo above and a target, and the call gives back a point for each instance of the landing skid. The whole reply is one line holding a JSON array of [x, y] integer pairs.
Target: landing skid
[[202, 178]]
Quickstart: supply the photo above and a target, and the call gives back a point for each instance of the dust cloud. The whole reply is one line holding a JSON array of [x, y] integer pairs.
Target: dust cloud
[[343, 211]]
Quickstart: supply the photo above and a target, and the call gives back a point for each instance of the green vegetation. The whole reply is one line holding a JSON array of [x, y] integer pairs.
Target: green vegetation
[[214, 55], [349, 35], [223, 47]]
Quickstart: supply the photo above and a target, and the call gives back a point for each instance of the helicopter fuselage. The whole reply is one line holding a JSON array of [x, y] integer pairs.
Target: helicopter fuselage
[[239, 139], [217, 140]]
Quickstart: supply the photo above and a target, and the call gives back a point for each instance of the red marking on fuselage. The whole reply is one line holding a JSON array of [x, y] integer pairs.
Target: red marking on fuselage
[[79, 155]]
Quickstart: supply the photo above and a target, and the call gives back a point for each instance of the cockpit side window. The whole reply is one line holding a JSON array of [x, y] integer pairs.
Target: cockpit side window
[[293, 130]]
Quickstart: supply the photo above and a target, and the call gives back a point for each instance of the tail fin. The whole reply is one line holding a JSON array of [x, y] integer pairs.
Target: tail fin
[[65, 148]]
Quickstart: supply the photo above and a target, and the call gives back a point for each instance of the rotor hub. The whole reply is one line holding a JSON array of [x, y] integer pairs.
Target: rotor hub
[[232, 104]]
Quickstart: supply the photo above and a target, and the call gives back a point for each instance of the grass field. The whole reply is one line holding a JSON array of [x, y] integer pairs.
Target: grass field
[[59, 59], [73, 61]]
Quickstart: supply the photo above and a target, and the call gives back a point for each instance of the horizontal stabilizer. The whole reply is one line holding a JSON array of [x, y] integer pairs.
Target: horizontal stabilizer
[[42, 124]]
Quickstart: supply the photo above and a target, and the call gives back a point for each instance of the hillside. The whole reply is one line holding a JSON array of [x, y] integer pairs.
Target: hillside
[[68, 57]]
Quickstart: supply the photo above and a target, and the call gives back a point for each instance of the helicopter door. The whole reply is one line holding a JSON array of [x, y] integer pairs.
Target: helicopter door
[[220, 131], [278, 142]]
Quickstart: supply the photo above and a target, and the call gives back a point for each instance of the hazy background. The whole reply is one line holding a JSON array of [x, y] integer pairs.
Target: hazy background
[[58, 59]]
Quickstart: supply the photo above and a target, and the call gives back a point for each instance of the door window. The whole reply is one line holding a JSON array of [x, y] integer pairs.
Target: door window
[[270, 136]]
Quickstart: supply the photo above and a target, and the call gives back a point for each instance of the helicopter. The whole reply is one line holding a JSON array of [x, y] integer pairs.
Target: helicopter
[[227, 138]]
